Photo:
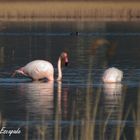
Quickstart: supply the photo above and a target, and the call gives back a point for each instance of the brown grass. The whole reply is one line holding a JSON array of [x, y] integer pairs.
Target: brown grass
[[69, 10]]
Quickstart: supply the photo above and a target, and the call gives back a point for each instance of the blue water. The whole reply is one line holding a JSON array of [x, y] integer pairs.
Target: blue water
[[80, 106]]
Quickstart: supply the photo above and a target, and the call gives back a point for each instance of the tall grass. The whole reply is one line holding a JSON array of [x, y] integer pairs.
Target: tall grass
[[69, 10], [2, 124], [88, 128], [136, 117]]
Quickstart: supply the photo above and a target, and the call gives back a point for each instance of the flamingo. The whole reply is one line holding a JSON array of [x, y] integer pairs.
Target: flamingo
[[112, 75], [39, 69]]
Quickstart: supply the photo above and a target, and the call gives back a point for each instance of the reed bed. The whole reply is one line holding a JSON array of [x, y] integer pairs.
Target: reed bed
[[88, 128], [70, 10]]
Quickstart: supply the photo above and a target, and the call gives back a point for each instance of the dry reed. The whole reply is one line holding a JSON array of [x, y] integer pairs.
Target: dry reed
[[69, 10]]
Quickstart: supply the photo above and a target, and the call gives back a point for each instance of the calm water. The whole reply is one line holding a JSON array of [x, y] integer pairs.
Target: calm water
[[80, 107]]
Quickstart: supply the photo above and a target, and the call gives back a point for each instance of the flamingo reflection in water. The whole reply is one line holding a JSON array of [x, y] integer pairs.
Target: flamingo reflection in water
[[113, 107], [40, 97], [44, 104]]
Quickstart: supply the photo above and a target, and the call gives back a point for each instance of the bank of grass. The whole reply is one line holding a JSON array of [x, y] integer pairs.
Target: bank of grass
[[69, 10]]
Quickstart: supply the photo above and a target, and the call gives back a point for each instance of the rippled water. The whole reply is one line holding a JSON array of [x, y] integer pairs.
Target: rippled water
[[80, 107]]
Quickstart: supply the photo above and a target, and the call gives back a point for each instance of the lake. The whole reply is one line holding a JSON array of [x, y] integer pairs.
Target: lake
[[80, 107]]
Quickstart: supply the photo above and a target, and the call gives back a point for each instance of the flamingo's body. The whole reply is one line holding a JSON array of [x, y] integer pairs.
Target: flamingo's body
[[39, 69], [112, 75]]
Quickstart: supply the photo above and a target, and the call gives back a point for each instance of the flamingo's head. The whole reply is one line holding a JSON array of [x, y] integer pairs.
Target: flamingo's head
[[64, 58], [18, 71]]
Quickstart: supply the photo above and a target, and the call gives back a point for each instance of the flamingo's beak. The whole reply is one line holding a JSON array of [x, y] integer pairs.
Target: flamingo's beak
[[66, 61], [64, 57]]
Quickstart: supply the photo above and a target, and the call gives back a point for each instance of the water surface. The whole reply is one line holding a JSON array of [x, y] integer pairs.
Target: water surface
[[81, 106]]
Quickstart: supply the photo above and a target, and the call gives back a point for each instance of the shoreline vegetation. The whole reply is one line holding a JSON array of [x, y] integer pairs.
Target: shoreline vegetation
[[58, 11]]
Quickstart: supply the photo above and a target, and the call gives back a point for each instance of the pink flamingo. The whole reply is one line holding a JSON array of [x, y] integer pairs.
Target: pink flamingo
[[39, 69], [112, 75]]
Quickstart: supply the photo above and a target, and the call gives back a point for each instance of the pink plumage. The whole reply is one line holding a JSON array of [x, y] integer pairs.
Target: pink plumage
[[112, 75], [39, 69]]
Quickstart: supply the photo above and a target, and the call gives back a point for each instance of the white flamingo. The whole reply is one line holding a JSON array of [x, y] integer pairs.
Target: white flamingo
[[112, 75], [39, 69]]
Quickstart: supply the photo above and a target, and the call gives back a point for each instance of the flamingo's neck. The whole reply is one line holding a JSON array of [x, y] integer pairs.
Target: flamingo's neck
[[59, 69]]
